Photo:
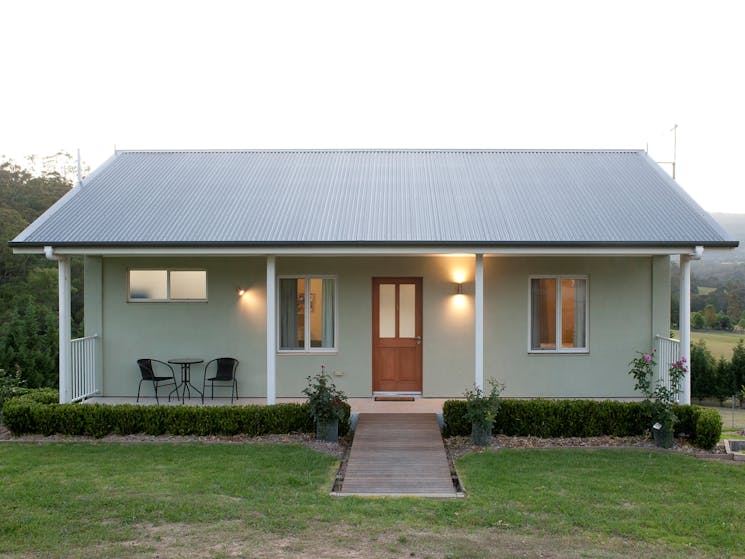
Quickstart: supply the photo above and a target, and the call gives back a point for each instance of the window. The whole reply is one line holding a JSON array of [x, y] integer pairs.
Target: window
[[307, 314], [167, 285], [558, 314]]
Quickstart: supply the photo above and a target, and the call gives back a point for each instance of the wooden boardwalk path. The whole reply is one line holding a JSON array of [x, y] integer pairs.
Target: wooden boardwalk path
[[398, 454]]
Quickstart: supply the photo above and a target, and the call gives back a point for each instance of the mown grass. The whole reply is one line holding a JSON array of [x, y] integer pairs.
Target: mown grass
[[720, 344], [96, 499]]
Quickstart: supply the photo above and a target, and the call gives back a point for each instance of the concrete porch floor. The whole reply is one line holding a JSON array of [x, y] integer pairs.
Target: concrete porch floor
[[359, 405]]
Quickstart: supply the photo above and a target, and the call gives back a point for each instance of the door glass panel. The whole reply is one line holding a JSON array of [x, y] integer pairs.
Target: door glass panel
[[407, 311], [387, 310]]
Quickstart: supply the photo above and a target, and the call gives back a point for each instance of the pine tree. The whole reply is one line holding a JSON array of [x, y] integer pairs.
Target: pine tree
[[30, 344], [725, 383], [738, 368], [703, 371]]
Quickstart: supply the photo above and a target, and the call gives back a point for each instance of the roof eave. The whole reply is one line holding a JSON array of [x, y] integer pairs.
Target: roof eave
[[489, 244]]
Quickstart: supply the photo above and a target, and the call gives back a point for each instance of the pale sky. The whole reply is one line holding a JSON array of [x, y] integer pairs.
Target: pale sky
[[381, 74]]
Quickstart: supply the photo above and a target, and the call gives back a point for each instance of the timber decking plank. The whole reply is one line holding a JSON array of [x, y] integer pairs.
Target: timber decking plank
[[398, 454]]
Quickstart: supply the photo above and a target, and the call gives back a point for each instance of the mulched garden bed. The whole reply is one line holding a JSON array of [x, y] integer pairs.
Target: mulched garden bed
[[456, 446], [459, 446], [303, 439]]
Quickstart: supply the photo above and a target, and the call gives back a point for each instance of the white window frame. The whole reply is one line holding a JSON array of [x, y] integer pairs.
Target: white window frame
[[168, 298], [306, 319], [558, 348]]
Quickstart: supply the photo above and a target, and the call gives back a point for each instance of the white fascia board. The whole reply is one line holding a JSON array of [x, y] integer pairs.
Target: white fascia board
[[360, 251]]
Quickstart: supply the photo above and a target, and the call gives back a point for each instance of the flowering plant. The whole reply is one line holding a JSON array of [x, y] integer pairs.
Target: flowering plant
[[642, 369], [326, 401], [663, 395]]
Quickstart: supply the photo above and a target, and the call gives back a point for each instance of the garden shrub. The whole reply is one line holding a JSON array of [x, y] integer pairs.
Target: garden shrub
[[38, 412], [584, 418], [454, 418], [708, 428]]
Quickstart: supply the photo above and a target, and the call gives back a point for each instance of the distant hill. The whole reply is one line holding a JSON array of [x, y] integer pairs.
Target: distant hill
[[721, 266], [734, 224]]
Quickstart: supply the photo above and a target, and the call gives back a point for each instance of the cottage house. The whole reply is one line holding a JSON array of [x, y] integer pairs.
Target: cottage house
[[404, 272]]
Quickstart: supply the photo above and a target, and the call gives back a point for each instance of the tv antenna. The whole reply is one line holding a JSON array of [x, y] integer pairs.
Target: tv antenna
[[672, 163]]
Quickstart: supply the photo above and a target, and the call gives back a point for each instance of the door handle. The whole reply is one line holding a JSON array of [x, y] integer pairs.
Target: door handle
[[418, 340]]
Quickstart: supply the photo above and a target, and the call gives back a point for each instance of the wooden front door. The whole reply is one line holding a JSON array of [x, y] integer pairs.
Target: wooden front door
[[397, 334]]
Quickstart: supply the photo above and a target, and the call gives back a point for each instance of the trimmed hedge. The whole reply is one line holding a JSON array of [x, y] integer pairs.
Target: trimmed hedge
[[585, 418], [38, 412]]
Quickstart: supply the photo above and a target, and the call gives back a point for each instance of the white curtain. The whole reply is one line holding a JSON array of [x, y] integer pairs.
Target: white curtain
[[535, 311], [288, 314], [580, 313], [327, 316]]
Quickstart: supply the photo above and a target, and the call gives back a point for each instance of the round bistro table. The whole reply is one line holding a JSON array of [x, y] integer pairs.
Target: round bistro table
[[185, 363]]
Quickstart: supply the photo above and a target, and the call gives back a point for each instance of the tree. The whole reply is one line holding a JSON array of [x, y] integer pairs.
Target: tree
[[710, 317], [738, 367], [725, 384], [29, 344], [703, 371], [28, 283], [697, 321], [723, 322], [733, 306]]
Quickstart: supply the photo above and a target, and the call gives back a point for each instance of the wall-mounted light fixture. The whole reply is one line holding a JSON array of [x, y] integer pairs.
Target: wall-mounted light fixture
[[459, 289], [241, 291]]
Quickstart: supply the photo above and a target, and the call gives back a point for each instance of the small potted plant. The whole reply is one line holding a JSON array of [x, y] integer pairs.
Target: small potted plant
[[481, 411], [662, 396], [326, 405]]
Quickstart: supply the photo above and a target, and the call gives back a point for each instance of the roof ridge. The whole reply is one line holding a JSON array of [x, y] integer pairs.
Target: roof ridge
[[386, 150]]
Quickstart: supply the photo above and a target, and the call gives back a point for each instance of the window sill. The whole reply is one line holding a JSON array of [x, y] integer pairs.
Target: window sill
[[559, 352], [148, 301], [311, 352]]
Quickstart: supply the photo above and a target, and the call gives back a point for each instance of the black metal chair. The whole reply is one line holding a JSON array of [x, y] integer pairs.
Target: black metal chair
[[148, 374], [225, 368]]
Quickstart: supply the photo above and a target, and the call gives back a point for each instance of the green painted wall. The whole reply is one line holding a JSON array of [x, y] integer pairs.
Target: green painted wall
[[624, 316], [621, 321], [226, 325]]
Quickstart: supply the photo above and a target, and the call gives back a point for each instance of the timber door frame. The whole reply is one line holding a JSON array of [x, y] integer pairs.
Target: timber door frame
[[414, 384]]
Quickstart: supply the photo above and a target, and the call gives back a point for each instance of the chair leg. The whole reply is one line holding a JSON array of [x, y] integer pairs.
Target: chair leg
[[155, 387], [139, 386]]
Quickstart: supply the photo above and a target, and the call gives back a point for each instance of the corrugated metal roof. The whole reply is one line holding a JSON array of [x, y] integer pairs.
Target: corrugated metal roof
[[470, 197]]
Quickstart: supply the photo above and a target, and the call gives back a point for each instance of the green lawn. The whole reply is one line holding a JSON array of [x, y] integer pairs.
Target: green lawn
[[221, 500], [720, 343]]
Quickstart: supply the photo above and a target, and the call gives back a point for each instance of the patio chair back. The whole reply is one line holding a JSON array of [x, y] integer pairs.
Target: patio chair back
[[148, 375], [226, 368], [146, 369]]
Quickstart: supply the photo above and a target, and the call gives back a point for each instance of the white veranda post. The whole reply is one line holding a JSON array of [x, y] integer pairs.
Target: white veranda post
[[271, 329], [479, 326], [65, 330], [684, 319]]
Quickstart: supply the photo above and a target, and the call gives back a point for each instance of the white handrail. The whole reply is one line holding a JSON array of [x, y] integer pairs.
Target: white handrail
[[83, 367], [667, 352]]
